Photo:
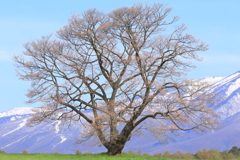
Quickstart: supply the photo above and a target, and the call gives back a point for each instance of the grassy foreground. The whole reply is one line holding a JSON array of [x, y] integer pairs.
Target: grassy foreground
[[76, 157]]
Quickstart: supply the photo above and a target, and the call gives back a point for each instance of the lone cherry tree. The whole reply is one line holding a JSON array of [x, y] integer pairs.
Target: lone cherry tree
[[118, 73]]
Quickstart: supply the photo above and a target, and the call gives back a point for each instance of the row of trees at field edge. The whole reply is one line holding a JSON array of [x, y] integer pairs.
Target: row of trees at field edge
[[125, 68], [213, 154]]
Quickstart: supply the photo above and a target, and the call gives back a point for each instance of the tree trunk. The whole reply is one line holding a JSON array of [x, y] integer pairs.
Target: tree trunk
[[115, 149]]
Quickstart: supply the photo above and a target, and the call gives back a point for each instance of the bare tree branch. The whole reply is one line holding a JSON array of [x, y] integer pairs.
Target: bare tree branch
[[115, 71]]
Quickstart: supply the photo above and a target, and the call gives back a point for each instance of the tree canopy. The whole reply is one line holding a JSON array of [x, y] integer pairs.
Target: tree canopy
[[118, 73]]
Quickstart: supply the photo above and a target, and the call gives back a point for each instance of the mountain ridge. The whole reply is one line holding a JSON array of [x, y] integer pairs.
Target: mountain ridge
[[53, 137], [17, 111]]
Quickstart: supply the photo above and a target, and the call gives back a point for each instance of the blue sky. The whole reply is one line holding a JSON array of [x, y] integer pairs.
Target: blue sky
[[216, 22]]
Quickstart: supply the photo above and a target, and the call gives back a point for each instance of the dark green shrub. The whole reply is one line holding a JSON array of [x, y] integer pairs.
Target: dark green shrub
[[235, 151]]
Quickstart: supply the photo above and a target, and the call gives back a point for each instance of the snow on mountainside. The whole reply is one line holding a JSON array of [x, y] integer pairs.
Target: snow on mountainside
[[212, 79], [222, 139], [51, 137], [17, 111], [229, 88]]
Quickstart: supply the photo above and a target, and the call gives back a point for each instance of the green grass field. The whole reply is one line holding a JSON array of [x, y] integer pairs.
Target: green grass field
[[124, 156], [76, 157]]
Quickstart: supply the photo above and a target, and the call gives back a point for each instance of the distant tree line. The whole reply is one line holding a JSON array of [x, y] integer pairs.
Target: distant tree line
[[213, 154]]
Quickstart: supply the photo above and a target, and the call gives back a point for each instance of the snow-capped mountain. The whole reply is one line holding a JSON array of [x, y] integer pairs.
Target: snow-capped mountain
[[47, 137], [17, 111], [229, 89], [51, 137]]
